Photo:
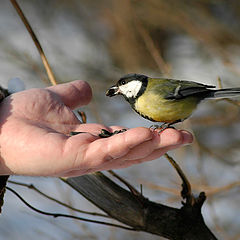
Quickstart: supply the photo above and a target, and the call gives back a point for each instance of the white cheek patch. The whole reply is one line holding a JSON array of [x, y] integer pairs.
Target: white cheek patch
[[131, 89]]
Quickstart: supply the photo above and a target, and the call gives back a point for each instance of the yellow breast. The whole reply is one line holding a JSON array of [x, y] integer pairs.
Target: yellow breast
[[155, 107]]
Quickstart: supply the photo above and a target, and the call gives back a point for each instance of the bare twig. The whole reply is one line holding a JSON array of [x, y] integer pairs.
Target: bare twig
[[151, 46], [186, 187], [209, 190], [130, 187], [55, 215], [153, 50], [219, 80], [157, 187], [31, 186], [37, 43], [83, 116]]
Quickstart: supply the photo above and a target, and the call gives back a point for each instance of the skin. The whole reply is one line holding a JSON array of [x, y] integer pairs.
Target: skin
[[34, 136]]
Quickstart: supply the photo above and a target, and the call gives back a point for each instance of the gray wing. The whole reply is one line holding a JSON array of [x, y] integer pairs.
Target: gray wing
[[185, 89]]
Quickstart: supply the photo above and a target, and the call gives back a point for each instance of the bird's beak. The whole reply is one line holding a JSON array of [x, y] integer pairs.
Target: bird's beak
[[112, 91]]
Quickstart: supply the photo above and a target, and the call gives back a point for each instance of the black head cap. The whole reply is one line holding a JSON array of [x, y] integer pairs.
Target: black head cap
[[130, 77]]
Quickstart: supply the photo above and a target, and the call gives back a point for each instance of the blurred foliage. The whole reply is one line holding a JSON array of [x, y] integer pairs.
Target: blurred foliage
[[204, 21], [214, 24]]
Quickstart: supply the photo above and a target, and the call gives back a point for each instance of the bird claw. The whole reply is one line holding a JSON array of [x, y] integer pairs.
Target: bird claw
[[162, 127], [154, 127]]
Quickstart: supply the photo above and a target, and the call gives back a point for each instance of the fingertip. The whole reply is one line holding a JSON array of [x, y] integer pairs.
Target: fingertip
[[140, 133], [133, 137], [73, 94], [172, 137], [187, 137], [84, 91]]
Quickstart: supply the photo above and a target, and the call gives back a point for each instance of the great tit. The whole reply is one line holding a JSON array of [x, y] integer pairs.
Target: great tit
[[165, 100]]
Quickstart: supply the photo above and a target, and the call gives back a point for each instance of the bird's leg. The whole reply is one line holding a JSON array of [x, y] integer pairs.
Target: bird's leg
[[164, 126], [155, 126]]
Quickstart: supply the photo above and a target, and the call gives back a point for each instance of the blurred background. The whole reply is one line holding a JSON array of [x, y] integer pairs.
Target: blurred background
[[99, 41]]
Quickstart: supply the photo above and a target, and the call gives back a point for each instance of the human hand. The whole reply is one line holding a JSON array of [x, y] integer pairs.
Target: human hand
[[34, 136]]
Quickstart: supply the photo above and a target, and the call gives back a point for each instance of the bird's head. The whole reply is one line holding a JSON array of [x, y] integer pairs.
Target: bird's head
[[131, 86]]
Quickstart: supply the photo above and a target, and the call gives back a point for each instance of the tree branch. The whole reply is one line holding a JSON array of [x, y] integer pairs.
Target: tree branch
[[35, 40], [185, 223], [32, 187], [55, 215]]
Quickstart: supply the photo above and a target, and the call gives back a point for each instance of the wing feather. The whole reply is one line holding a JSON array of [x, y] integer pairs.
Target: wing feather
[[185, 89]]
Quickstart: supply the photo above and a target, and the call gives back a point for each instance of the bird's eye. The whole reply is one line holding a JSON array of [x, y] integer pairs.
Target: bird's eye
[[123, 82]]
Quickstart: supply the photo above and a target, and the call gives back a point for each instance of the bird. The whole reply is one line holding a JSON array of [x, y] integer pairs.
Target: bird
[[165, 100]]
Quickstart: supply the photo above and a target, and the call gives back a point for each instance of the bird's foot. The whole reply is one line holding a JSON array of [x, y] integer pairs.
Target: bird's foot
[[162, 127], [154, 127]]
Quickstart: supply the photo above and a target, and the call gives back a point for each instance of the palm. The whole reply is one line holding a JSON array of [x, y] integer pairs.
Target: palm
[[42, 109]]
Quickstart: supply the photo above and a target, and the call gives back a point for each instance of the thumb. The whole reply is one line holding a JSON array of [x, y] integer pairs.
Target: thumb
[[73, 94]]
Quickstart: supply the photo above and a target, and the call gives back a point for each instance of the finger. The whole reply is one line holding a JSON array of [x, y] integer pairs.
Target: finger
[[117, 128], [120, 144], [163, 140], [170, 137], [115, 152], [104, 149], [124, 163], [186, 139], [116, 164], [154, 155], [149, 155], [147, 151], [73, 94]]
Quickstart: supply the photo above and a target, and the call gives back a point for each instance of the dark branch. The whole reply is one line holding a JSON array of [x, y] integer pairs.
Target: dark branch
[[55, 215], [132, 189], [32, 187], [186, 192], [144, 215]]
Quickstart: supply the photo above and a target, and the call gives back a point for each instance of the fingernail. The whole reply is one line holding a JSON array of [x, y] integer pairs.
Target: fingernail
[[187, 137]]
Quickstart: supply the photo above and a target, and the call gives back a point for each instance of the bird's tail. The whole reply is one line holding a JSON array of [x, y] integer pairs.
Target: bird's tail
[[224, 93]]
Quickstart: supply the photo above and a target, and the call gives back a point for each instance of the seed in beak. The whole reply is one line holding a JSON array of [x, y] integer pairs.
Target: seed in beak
[[112, 91]]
